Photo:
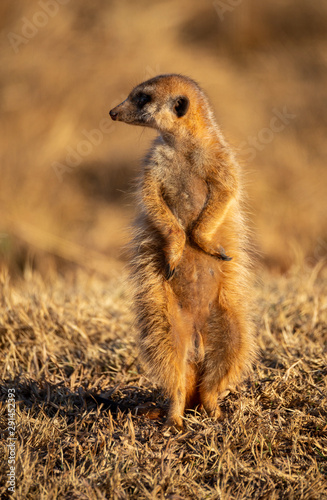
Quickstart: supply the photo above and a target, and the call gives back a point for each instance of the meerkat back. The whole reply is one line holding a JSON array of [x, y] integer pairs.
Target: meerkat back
[[189, 268]]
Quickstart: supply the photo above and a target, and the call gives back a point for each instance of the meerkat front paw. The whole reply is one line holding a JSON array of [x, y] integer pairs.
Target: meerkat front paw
[[169, 272], [173, 252], [208, 247], [172, 260]]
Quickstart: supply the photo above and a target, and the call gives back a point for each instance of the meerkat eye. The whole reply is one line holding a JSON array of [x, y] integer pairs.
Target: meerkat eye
[[142, 99], [181, 105]]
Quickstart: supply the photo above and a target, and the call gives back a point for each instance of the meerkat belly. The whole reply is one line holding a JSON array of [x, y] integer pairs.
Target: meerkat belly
[[196, 284], [196, 280]]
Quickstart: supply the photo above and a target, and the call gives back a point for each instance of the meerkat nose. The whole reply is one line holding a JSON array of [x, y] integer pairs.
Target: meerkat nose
[[113, 114]]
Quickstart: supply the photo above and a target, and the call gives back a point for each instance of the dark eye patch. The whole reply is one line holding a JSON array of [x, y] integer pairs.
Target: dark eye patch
[[142, 99]]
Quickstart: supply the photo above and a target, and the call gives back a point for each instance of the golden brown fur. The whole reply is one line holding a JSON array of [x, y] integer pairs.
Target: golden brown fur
[[192, 303]]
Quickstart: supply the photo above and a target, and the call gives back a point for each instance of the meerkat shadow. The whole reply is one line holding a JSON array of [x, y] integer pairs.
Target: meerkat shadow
[[144, 403], [139, 402]]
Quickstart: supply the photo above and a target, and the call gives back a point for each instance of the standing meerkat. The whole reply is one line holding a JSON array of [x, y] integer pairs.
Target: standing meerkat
[[191, 296]]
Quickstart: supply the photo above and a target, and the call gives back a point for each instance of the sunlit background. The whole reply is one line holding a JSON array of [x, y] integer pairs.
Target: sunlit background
[[67, 171]]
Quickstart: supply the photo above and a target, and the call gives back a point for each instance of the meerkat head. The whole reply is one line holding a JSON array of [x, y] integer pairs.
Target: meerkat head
[[172, 104]]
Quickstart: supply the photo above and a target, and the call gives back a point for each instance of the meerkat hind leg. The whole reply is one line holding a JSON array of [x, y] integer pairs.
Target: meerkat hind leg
[[184, 394], [183, 398], [224, 360], [176, 409]]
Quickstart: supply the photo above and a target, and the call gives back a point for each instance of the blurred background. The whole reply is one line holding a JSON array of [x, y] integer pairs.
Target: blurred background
[[67, 171]]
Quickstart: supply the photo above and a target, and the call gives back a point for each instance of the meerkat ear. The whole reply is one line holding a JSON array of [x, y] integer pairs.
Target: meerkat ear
[[181, 105]]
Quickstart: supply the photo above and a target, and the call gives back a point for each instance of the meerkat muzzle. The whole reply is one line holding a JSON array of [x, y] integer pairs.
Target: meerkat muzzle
[[113, 114]]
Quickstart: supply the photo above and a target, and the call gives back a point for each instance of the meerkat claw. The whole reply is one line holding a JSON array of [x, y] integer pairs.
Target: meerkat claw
[[222, 254], [169, 272]]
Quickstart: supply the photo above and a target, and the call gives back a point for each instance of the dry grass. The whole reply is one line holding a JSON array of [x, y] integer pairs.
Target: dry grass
[[65, 338], [65, 328]]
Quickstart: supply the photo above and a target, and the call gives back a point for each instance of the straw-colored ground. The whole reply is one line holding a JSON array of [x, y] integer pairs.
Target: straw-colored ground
[[66, 172], [63, 338]]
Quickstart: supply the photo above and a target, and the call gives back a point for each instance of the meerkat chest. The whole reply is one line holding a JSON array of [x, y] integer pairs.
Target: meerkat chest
[[184, 191]]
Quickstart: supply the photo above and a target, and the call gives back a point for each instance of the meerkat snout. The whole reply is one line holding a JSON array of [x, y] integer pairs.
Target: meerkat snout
[[113, 114]]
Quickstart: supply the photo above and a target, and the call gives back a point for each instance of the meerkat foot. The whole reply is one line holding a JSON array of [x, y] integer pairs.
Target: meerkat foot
[[174, 423], [215, 413], [209, 399]]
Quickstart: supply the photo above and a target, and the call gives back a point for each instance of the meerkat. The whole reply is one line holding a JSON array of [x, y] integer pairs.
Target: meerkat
[[190, 267]]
